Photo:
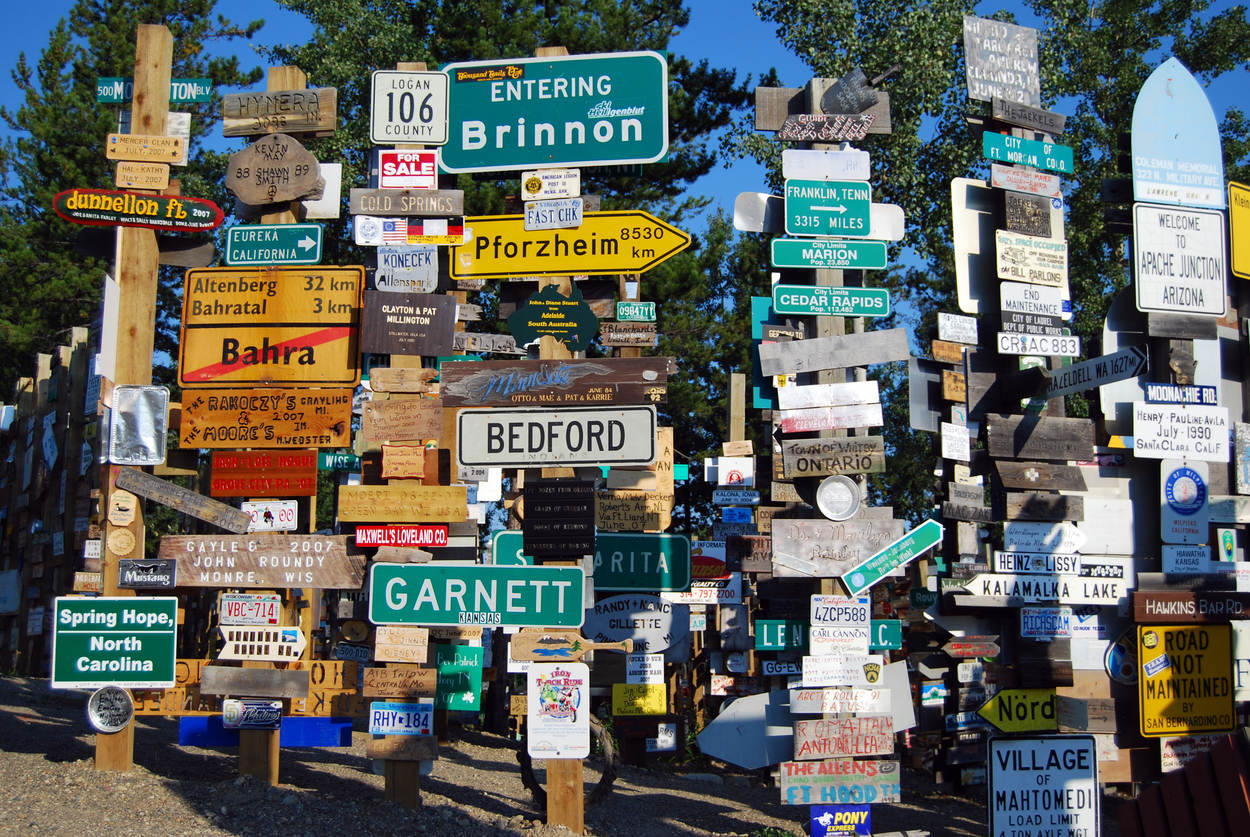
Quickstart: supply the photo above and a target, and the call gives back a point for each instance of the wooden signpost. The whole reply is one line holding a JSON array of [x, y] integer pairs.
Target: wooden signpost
[[399, 503], [264, 560], [554, 382], [400, 681], [424, 202], [1040, 437], [412, 419], [274, 169], [146, 149], [401, 644], [307, 111], [546, 645], [187, 502], [268, 418], [263, 474]]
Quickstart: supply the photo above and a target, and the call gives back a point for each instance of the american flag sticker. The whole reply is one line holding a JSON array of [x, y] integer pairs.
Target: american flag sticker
[[394, 231]]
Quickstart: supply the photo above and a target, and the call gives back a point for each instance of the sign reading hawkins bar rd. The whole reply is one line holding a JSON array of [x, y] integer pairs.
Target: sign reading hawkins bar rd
[[542, 382], [109, 208]]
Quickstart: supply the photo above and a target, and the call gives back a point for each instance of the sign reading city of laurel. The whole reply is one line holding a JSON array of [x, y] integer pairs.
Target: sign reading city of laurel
[[111, 208], [288, 326], [264, 560], [519, 438], [254, 244], [122, 641], [266, 418], [408, 106], [430, 594], [574, 110], [627, 241]]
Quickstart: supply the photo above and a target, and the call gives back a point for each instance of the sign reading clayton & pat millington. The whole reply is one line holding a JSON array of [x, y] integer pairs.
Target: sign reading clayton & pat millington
[[111, 208], [264, 560], [408, 324], [553, 382]]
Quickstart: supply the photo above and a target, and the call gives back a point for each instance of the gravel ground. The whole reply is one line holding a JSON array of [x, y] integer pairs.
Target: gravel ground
[[47, 748]]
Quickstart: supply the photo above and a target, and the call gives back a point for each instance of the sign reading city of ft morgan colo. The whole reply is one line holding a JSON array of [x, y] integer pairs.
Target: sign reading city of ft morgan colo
[[430, 594], [107, 641], [574, 110], [519, 438]]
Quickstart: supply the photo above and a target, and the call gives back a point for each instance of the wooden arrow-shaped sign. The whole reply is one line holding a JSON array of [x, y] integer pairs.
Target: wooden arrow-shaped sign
[[972, 646], [546, 645], [262, 642]]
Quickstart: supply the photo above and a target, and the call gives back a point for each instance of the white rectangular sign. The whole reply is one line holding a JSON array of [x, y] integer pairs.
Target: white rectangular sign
[[839, 701], [558, 704], [644, 668], [542, 184], [1022, 298], [519, 438], [1178, 259], [1036, 783], [834, 164], [839, 625], [408, 106], [1060, 345], [272, 515], [558, 214], [1171, 431], [828, 395], [1020, 179], [1029, 258], [957, 328], [842, 670], [710, 591], [956, 442], [1065, 589], [1036, 563]]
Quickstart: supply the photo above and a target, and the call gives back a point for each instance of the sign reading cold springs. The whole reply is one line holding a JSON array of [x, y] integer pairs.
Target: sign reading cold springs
[[122, 641], [568, 110]]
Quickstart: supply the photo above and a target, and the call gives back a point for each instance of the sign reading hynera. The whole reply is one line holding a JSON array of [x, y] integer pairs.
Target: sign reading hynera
[[569, 110]]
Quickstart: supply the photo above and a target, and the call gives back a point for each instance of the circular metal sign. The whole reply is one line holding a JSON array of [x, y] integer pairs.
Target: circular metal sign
[[838, 497], [110, 709]]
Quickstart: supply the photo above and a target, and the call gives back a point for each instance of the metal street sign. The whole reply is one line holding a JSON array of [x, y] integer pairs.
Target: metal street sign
[[1166, 431], [827, 207], [808, 300], [114, 641], [574, 110], [629, 241], [1185, 679], [1118, 366], [520, 438], [831, 164], [115, 90], [408, 106], [816, 253], [1239, 228], [432, 594], [274, 244], [1058, 773], [264, 643], [1021, 710], [862, 576], [641, 562], [1178, 259], [1012, 590], [1027, 152]]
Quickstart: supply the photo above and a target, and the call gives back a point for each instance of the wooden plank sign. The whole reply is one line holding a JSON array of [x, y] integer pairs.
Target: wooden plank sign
[[268, 418], [383, 379], [270, 644], [826, 457], [403, 503], [1040, 437], [834, 352], [404, 462], [187, 502], [400, 681], [1038, 506], [264, 560], [401, 644], [862, 735], [273, 169], [839, 782], [1040, 476], [416, 419], [243, 473], [403, 748], [554, 382], [253, 682], [971, 646], [826, 548], [133, 175], [310, 111], [423, 202], [617, 333], [545, 645], [146, 149]]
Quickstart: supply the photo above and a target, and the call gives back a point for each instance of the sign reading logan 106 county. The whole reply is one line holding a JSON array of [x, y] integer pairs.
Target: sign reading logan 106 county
[[114, 641], [569, 110], [408, 106]]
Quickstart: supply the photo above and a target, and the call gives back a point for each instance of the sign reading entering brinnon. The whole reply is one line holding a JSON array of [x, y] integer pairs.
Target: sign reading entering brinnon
[[430, 594]]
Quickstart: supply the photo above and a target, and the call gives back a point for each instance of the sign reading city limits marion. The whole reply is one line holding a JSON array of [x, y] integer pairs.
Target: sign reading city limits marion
[[519, 438], [432, 594], [567, 110], [819, 253]]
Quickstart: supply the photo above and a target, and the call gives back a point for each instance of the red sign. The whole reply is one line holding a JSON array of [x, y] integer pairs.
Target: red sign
[[407, 170], [241, 473], [401, 536], [112, 208]]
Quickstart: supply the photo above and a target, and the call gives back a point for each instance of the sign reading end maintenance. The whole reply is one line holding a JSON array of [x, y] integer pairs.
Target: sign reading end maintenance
[[571, 436], [114, 641]]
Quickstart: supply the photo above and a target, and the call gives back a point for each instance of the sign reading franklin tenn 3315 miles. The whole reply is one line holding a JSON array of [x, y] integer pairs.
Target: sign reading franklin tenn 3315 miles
[[246, 326], [572, 110]]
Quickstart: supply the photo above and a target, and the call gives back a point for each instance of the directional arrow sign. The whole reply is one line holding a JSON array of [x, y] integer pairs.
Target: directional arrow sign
[[273, 244], [1021, 710], [827, 207], [972, 646], [817, 253], [262, 642], [628, 241], [1126, 363], [923, 537]]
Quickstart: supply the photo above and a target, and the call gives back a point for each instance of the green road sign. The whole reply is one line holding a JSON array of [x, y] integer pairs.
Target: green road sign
[[635, 563], [635, 312], [570, 110], [114, 641], [431, 594], [885, 634], [265, 244], [827, 207], [816, 253], [780, 634], [327, 461], [459, 684], [810, 300], [860, 578], [1027, 152], [115, 90]]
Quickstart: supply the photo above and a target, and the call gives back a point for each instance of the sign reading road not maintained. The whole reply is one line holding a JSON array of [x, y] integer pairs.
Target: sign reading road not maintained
[[1178, 259], [114, 641], [273, 244], [819, 253], [519, 438], [1185, 679], [408, 106], [431, 594]]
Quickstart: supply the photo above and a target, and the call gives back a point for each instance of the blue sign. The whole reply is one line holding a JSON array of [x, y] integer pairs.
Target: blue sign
[[828, 820], [1176, 142]]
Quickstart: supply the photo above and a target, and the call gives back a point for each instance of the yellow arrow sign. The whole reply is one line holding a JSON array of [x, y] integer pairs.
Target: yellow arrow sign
[[628, 241], [1021, 710]]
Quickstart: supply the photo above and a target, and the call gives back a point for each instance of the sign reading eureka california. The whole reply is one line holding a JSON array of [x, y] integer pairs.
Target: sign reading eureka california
[[569, 110], [110, 208]]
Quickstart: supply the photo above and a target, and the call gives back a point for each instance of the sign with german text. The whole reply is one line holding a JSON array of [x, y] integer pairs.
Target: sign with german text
[[266, 418]]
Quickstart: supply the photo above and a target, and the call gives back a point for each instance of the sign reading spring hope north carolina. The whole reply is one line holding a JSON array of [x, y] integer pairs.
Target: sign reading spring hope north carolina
[[568, 110], [121, 641]]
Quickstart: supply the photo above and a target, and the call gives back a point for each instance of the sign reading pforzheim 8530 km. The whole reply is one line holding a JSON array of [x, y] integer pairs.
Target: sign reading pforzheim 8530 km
[[114, 641], [569, 110]]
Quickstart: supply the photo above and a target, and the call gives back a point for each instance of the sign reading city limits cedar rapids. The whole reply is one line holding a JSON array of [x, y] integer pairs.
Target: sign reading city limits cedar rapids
[[569, 110]]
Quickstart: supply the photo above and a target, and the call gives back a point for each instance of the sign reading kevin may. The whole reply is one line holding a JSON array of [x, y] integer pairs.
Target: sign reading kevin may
[[574, 110], [429, 594], [127, 642], [512, 438]]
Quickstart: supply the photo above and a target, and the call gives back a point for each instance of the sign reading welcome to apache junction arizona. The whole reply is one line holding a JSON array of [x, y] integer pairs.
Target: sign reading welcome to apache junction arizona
[[569, 110]]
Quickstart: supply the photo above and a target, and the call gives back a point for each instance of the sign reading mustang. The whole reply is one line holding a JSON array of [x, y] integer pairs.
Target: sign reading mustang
[[569, 436], [429, 594]]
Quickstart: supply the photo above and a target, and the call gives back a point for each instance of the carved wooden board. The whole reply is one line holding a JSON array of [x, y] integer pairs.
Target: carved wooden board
[[825, 457], [264, 560], [293, 111], [1042, 476], [274, 168], [834, 352], [403, 503], [268, 418], [1040, 437], [187, 502], [400, 681], [401, 644], [423, 202], [541, 382], [409, 419]]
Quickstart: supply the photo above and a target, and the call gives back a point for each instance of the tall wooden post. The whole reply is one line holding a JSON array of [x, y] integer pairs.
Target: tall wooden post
[[136, 333]]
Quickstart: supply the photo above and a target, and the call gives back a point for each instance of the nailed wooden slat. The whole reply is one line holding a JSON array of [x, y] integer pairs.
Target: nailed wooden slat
[[1040, 437], [403, 748], [774, 104], [1233, 780], [954, 386], [947, 352], [1177, 804], [253, 682], [402, 503], [1200, 778], [1041, 476], [1181, 326], [1036, 506]]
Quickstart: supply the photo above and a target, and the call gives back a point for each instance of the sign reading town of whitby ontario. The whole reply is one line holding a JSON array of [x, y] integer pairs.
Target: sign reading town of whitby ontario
[[568, 110]]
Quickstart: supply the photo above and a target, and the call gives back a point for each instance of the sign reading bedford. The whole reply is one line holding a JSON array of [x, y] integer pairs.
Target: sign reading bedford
[[429, 594], [574, 110], [123, 641], [521, 437]]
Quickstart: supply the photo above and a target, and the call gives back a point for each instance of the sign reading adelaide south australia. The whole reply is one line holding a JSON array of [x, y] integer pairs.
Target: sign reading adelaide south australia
[[1046, 786], [1185, 679], [1178, 259], [290, 326], [123, 641], [109, 208], [574, 110], [430, 594]]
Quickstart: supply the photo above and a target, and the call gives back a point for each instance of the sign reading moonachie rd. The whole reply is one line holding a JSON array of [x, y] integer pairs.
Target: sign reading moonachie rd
[[430, 594], [273, 244], [574, 110], [107, 641]]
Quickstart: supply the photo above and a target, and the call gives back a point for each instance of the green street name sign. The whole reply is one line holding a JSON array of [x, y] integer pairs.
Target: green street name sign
[[115, 90], [827, 207], [430, 594], [634, 563], [265, 244], [1027, 152], [780, 634], [923, 537], [885, 634], [819, 253], [338, 461], [114, 641], [574, 110], [809, 300], [635, 312]]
